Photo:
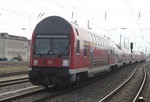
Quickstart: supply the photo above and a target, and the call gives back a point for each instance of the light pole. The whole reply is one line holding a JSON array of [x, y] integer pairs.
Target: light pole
[[26, 46]]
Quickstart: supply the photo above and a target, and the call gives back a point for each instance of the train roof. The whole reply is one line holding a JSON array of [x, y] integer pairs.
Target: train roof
[[54, 25]]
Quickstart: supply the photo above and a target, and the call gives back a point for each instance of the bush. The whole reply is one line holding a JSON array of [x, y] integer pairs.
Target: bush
[[3, 59], [18, 58]]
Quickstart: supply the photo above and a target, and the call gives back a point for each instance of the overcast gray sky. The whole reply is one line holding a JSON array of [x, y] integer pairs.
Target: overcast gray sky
[[129, 18]]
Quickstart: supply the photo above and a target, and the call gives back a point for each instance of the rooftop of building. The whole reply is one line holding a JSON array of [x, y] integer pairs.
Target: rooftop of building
[[8, 36]]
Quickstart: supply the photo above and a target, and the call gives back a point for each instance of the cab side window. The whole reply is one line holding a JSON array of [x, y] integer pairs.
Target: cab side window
[[78, 46], [85, 50]]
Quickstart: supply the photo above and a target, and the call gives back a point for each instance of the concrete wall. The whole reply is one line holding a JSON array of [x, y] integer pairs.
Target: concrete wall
[[2, 50], [10, 48]]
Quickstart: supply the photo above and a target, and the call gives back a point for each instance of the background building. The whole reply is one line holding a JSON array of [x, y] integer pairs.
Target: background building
[[13, 47]]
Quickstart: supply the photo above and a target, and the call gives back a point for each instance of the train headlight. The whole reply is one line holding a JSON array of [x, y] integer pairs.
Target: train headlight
[[30, 69], [35, 62], [65, 63]]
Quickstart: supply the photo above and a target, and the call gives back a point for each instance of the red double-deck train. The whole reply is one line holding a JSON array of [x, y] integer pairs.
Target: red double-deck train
[[63, 52]]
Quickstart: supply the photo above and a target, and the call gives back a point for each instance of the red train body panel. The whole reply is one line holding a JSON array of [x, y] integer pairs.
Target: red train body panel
[[63, 53]]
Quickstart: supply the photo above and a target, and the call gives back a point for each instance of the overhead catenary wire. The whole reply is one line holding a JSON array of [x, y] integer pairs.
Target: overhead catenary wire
[[133, 14], [13, 12], [91, 12], [46, 9], [137, 21]]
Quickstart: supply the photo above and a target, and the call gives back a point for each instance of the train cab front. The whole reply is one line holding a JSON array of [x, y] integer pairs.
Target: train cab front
[[50, 52]]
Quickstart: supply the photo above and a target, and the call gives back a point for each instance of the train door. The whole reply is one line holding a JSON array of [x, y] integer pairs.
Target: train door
[[109, 57], [91, 57], [112, 57]]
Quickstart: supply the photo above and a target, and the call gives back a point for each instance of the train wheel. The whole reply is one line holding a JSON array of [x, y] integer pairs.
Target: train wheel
[[64, 82], [46, 87], [81, 77], [112, 68], [78, 78]]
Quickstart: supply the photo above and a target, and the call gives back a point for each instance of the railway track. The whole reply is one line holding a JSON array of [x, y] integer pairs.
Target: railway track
[[141, 88], [113, 96], [13, 74], [76, 87], [42, 94], [49, 93], [145, 96], [13, 81], [16, 94]]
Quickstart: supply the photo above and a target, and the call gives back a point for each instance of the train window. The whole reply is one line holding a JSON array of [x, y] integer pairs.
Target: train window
[[91, 37], [104, 42], [107, 44], [51, 36], [96, 39], [100, 41], [93, 40], [85, 50], [77, 32], [39, 48], [51, 46], [78, 46], [116, 55], [112, 53]]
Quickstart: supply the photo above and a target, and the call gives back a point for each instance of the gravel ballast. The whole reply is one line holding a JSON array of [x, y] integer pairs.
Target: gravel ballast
[[146, 91], [95, 91], [129, 91]]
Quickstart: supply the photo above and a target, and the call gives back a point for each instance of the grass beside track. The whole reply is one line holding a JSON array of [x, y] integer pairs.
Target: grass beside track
[[13, 69], [9, 66]]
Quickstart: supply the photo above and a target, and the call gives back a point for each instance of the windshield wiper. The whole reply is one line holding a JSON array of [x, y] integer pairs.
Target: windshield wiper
[[38, 52], [64, 51]]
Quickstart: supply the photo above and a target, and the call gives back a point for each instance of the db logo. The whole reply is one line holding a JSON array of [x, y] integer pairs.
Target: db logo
[[50, 62]]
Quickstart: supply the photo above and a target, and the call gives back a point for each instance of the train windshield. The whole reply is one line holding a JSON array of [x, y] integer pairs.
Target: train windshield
[[53, 45]]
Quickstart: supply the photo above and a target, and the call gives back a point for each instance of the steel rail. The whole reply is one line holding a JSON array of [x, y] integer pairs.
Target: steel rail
[[13, 73], [141, 87], [13, 81], [12, 94], [72, 88], [55, 94], [107, 97]]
